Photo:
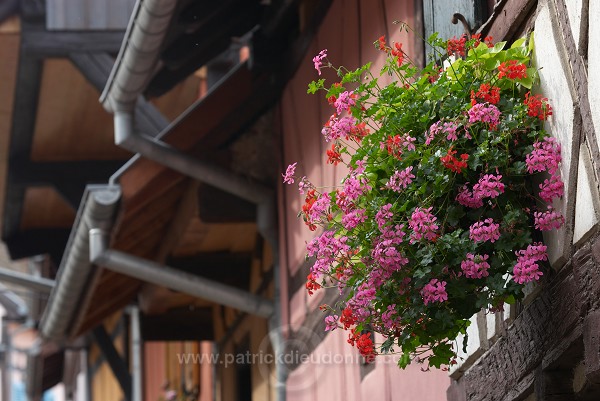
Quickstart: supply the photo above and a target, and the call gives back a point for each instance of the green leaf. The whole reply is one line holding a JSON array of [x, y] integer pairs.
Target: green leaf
[[527, 82], [530, 47], [491, 63], [518, 43], [433, 37], [404, 360], [498, 47], [334, 90], [455, 214], [387, 345], [313, 87], [441, 355]]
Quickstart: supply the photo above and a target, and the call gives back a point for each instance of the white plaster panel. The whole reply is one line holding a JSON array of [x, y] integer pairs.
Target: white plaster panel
[[474, 349], [574, 10], [490, 325], [556, 87], [509, 313], [586, 211], [594, 65]]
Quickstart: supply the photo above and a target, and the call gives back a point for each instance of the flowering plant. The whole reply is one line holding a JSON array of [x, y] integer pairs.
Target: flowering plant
[[438, 216], [183, 394]]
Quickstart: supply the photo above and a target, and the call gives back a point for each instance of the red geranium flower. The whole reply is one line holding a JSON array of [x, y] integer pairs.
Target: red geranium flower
[[537, 106], [452, 163], [487, 93], [512, 69]]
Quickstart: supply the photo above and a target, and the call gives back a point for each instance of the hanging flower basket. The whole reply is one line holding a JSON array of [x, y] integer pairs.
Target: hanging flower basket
[[438, 216]]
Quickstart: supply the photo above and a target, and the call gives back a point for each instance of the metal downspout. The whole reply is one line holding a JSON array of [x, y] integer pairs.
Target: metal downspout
[[35, 369], [267, 226], [136, 355], [160, 152], [220, 178], [39, 284], [6, 368], [155, 273], [134, 67]]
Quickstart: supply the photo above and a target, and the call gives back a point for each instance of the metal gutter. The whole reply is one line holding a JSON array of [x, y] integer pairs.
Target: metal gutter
[[133, 69], [138, 56], [76, 274], [70, 293]]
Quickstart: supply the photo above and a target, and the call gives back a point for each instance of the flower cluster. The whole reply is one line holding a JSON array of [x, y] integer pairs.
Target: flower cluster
[[512, 69], [486, 93], [475, 266], [485, 113], [527, 268], [434, 291], [421, 232], [537, 106], [454, 164], [485, 230], [422, 223], [400, 179]]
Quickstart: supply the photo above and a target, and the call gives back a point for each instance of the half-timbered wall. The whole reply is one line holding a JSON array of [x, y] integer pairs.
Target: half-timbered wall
[[551, 351]]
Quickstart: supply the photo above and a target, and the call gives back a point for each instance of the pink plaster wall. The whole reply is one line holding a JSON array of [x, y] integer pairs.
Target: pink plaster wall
[[154, 370], [349, 40], [333, 373], [348, 33]]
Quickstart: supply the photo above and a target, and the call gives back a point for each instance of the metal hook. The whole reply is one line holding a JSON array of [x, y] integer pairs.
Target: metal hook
[[459, 17]]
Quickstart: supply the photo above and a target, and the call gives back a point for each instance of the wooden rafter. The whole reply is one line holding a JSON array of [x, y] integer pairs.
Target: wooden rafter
[[42, 43], [38, 241], [29, 75], [69, 178]]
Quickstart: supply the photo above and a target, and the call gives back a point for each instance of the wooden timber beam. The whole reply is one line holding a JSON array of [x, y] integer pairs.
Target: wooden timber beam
[[69, 178], [179, 324], [29, 75], [37, 41], [225, 267], [33, 10], [116, 363], [38, 241]]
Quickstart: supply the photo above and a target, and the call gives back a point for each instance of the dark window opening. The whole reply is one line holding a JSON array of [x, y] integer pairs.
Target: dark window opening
[[243, 372]]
